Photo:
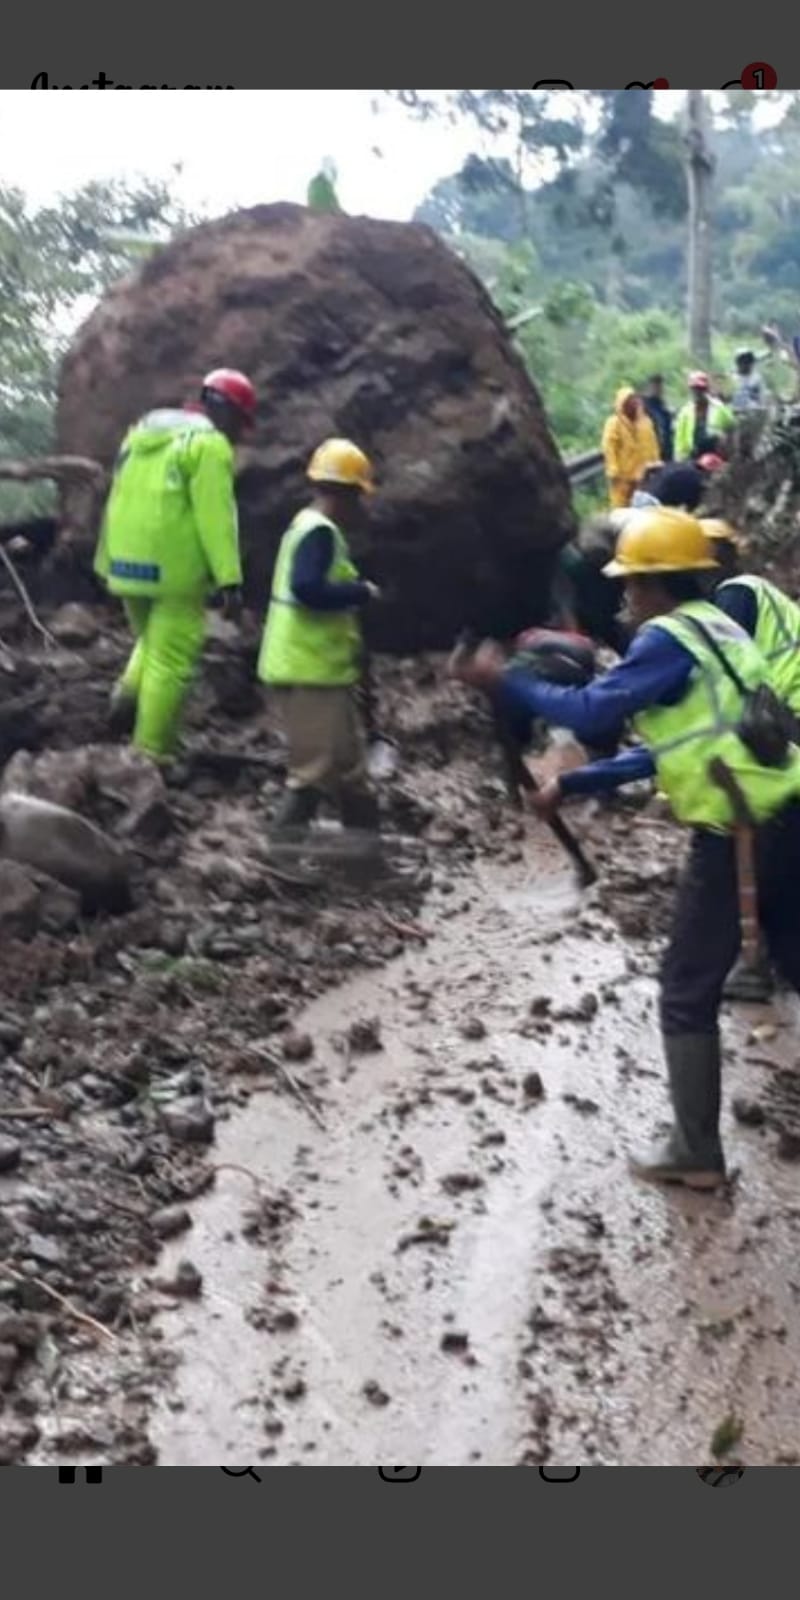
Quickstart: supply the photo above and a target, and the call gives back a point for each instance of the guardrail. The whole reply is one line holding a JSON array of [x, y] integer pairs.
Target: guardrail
[[585, 468]]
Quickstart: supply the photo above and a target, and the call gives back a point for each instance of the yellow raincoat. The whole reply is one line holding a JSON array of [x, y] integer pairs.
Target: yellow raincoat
[[629, 448]]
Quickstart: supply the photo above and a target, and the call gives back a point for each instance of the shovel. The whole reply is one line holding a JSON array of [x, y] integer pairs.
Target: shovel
[[383, 756], [752, 971]]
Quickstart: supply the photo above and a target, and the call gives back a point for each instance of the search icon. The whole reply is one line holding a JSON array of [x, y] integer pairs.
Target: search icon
[[241, 1472]]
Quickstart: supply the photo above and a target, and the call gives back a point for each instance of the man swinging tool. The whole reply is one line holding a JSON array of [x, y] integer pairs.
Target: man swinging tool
[[696, 689], [558, 658]]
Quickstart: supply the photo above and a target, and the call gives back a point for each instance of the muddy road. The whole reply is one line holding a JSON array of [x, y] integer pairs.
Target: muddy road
[[458, 1269], [281, 1181]]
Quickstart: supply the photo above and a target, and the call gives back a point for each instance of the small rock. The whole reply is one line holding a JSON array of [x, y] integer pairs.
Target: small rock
[[457, 1182], [286, 1322], [373, 1392], [189, 1119], [581, 1103], [540, 1006], [9, 1361], [473, 1028], [297, 1047], [169, 1221], [294, 1390], [365, 1036], [11, 1033], [532, 1086], [172, 939], [149, 821], [455, 1343], [59, 907], [15, 1442], [10, 1154], [789, 1145], [749, 1112], [187, 1283], [43, 1249], [74, 624], [19, 1329], [19, 901]]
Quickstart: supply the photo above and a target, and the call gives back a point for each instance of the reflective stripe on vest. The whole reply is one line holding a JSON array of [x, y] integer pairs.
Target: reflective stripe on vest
[[683, 739], [777, 635], [302, 646]]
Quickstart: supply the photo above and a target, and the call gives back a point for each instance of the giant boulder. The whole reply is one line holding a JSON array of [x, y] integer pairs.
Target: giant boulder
[[348, 326]]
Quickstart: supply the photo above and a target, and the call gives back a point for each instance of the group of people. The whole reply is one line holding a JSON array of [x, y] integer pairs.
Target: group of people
[[170, 539], [710, 654], [642, 432]]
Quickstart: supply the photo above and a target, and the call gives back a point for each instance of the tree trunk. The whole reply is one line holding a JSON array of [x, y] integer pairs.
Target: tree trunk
[[699, 174]]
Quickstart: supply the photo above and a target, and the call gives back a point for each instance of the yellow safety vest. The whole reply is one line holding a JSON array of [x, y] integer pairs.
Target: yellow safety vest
[[777, 635], [684, 738], [301, 646]]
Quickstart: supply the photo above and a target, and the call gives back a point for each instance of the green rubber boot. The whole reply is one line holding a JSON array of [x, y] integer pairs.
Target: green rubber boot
[[693, 1153]]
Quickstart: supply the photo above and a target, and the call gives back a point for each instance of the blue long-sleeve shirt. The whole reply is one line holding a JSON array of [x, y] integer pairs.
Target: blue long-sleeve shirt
[[740, 603], [310, 583], [661, 672], [655, 671]]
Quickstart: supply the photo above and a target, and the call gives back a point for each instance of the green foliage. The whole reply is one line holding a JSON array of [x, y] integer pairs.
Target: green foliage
[[53, 261], [589, 265]]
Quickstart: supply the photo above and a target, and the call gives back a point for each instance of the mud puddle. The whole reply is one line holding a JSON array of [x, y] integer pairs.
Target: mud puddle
[[458, 1269]]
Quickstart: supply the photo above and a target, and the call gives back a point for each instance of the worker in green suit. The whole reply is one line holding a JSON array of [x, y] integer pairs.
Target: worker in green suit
[[170, 538]]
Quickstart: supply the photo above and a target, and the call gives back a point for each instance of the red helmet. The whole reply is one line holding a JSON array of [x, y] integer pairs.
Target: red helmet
[[710, 463], [233, 387], [699, 380]]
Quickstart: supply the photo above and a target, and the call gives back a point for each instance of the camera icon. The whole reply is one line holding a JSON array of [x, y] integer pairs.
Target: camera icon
[[399, 1474], [559, 1474]]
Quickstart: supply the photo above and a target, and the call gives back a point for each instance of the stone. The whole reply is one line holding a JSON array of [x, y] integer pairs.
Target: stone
[[297, 1047], [348, 325], [53, 840], [19, 901], [10, 1153], [189, 1120], [74, 624], [169, 1221]]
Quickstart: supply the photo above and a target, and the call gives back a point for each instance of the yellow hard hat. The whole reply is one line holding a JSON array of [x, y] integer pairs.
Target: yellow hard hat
[[340, 461], [716, 528], [660, 539]]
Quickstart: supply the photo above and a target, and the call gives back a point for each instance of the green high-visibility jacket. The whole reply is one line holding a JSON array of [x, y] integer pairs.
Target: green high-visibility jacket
[[777, 635], [719, 419], [301, 646], [684, 738], [170, 524]]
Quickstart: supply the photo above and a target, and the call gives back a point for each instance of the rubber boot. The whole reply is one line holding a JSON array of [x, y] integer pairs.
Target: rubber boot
[[753, 984], [121, 713], [297, 809], [693, 1153], [358, 809]]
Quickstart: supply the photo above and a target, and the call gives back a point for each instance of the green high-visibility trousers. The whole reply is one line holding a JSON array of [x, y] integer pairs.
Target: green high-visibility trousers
[[169, 637]]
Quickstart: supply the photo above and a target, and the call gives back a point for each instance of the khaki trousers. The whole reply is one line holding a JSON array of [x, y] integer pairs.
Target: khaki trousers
[[325, 736]]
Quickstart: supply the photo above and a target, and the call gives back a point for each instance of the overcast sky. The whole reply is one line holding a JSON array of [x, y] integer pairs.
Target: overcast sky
[[237, 147]]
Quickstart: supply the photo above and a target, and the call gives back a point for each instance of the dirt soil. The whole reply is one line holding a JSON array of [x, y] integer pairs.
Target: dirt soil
[[324, 1170]]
